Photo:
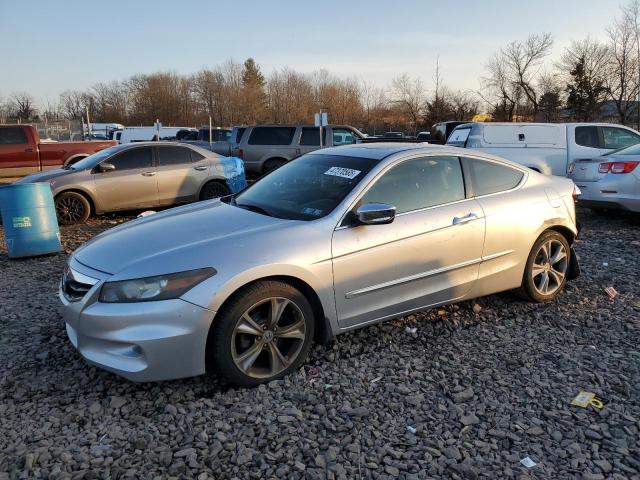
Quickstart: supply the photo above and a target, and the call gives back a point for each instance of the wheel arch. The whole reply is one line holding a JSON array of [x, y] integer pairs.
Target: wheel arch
[[322, 332], [84, 193], [74, 158], [220, 180]]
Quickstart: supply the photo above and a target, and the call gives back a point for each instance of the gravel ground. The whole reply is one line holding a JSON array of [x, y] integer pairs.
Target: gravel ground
[[474, 390]]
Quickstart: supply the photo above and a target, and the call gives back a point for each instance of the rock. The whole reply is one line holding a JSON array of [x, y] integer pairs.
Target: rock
[[393, 471], [535, 430], [358, 412], [469, 420], [95, 407], [186, 452], [464, 395], [603, 465], [117, 402], [452, 452], [476, 308]]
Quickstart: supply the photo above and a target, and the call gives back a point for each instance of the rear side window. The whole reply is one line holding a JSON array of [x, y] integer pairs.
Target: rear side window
[[196, 156], [587, 137], [311, 136], [132, 159], [12, 136], [618, 137], [173, 155], [272, 135], [489, 177], [239, 134]]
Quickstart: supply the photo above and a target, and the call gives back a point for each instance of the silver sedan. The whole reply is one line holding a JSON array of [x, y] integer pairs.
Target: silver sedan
[[140, 175], [336, 240], [611, 181]]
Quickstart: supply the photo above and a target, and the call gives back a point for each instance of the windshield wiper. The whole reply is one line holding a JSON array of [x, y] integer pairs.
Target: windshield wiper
[[253, 208]]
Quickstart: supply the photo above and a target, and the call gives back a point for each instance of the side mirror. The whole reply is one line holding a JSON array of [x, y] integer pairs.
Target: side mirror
[[376, 213], [107, 167]]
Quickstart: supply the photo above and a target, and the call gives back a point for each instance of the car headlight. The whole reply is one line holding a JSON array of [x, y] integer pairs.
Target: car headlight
[[161, 287]]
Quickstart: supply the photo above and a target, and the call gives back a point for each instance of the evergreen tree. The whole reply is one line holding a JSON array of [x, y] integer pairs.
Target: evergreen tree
[[585, 93], [251, 74]]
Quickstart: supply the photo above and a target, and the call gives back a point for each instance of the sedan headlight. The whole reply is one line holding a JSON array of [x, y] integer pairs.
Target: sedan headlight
[[148, 289]]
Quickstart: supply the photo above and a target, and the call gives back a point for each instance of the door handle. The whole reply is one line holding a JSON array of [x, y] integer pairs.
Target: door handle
[[28, 150], [148, 174], [465, 219], [200, 168]]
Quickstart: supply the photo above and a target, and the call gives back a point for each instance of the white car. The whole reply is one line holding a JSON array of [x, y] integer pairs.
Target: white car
[[547, 148]]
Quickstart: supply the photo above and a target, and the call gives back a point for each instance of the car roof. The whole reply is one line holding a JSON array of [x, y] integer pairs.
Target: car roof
[[382, 150]]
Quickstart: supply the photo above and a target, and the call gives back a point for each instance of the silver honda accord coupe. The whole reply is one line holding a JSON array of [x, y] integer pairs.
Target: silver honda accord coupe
[[139, 175], [335, 240]]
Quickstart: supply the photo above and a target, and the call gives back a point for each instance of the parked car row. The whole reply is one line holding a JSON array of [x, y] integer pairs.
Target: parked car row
[[601, 158]]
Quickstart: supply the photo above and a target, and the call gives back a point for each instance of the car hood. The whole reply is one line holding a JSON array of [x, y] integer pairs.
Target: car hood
[[179, 239], [46, 175]]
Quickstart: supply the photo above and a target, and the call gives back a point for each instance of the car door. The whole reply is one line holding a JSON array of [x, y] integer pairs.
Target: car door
[[342, 136], [17, 156], [133, 183], [179, 175], [310, 139], [615, 138], [429, 254]]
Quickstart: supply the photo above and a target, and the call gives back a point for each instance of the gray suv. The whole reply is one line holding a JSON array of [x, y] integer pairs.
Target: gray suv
[[267, 147]]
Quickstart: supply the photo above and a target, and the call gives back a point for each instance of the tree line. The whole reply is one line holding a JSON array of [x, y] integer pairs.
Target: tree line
[[519, 83]]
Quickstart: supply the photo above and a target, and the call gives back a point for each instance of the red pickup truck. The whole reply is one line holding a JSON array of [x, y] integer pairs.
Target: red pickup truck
[[22, 152]]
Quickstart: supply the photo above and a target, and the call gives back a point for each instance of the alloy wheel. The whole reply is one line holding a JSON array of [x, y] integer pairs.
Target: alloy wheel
[[69, 210], [550, 267], [268, 337]]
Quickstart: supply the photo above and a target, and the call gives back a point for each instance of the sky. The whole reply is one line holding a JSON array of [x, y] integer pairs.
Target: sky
[[47, 47]]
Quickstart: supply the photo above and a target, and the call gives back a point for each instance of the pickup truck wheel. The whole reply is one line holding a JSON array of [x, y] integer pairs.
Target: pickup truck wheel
[[273, 164], [72, 207], [213, 190]]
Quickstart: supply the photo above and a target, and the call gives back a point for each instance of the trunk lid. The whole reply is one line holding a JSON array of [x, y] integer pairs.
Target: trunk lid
[[586, 170]]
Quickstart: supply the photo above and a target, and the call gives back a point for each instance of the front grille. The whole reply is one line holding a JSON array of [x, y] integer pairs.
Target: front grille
[[73, 289]]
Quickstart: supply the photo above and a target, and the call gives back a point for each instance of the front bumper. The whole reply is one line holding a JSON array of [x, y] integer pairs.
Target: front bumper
[[147, 341], [625, 186]]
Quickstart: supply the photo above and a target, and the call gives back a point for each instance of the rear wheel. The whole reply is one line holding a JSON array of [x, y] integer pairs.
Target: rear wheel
[[213, 190], [264, 333], [72, 207], [273, 164], [546, 272]]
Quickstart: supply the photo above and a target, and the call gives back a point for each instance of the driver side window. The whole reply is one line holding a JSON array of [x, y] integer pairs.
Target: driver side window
[[132, 159], [419, 183]]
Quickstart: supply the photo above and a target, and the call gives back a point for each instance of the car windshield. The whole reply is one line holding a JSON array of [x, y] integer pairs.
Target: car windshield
[[307, 188], [92, 160], [632, 150]]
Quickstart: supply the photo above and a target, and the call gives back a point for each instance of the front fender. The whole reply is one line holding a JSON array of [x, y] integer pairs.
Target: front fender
[[214, 292]]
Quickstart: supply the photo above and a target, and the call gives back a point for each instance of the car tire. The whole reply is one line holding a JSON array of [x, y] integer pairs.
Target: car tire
[[273, 164], [545, 273], [213, 190], [248, 344], [72, 207]]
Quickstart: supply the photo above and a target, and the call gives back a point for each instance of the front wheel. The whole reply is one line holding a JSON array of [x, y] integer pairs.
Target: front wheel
[[545, 274], [72, 207], [264, 333], [213, 190]]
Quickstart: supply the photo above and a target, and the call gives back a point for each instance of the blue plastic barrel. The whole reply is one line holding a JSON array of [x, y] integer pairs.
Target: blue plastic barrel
[[29, 219]]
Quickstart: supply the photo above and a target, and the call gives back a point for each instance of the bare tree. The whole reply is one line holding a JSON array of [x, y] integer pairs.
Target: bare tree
[[632, 12], [22, 105], [621, 80], [409, 94]]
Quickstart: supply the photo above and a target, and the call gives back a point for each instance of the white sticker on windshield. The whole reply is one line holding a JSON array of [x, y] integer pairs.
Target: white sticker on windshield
[[342, 172]]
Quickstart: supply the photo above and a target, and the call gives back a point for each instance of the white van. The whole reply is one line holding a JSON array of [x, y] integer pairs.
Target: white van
[[548, 148], [146, 134]]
